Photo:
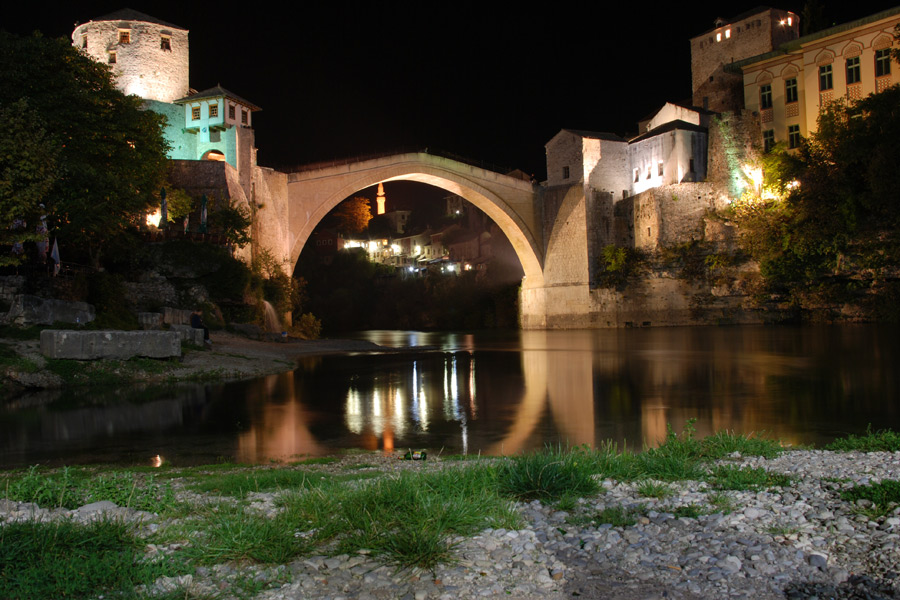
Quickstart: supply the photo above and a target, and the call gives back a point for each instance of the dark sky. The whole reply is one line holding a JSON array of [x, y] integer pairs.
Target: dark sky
[[485, 81]]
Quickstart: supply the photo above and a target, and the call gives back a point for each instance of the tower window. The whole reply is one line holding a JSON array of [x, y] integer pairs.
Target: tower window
[[231, 112], [794, 136], [825, 78], [790, 90], [213, 111], [124, 36], [165, 43], [768, 139], [195, 113], [765, 96], [659, 168], [84, 42], [566, 172], [245, 118], [853, 70], [112, 58], [882, 62]]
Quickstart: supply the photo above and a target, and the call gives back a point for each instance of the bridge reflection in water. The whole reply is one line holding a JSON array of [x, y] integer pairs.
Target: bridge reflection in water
[[490, 394]]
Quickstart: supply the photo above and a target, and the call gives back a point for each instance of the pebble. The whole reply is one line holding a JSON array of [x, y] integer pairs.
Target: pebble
[[802, 541]]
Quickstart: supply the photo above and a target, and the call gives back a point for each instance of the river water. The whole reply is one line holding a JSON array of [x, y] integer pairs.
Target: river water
[[490, 393]]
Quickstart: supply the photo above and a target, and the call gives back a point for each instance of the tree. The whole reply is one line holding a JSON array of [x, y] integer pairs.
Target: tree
[[28, 170], [844, 212], [353, 215], [111, 152]]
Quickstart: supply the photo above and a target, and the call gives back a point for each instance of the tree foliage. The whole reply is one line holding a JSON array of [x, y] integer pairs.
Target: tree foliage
[[353, 215], [841, 209], [111, 154], [28, 171]]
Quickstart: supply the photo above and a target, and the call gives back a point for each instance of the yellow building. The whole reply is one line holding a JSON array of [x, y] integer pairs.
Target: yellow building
[[788, 87]]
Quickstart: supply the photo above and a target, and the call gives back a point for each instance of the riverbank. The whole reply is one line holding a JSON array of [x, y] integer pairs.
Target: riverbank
[[746, 521], [231, 357]]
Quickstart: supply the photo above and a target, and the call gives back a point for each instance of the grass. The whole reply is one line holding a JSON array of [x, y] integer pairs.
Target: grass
[[107, 372], [10, 359], [653, 489], [727, 477], [71, 488], [66, 560], [689, 511], [548, 475], [721, 502], [725, 443], [316, 460], [617, 516], [885, 496], [409, 519], [883, 440], [240, 483]]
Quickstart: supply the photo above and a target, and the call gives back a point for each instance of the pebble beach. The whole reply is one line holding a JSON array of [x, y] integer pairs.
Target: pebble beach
[[801, 540]]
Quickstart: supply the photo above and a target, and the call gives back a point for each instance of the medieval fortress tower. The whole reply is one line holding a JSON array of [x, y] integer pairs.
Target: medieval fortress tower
[[755, 82]]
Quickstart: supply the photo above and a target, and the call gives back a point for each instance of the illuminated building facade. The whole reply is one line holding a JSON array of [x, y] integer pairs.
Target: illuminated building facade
[[789, 86]]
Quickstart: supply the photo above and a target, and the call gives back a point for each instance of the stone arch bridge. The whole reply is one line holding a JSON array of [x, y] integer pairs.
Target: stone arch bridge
[[553, 251]]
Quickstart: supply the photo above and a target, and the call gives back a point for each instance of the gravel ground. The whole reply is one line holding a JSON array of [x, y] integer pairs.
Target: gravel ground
[[800, 541]]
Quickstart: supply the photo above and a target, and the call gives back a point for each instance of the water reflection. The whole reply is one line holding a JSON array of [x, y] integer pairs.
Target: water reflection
[[493, 393]]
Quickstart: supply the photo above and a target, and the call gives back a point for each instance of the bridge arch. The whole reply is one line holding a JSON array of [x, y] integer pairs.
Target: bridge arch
[[508, 201]]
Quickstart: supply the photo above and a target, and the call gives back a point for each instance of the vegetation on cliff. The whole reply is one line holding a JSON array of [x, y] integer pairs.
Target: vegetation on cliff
[[825, 226]]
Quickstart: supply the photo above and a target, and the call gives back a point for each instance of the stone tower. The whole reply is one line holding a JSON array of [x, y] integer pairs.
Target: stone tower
[[381, 198], [149, 57]]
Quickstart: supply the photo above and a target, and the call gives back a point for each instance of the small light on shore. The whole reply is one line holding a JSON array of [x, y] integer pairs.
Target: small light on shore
[[157, 461]]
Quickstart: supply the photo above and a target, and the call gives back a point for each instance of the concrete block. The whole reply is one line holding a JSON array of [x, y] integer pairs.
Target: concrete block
[[176, 316], [188, 334], [150, 320], [29, 310], [119, 345]]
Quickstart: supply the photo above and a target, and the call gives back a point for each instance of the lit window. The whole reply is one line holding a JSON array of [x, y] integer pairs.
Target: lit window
[[790, 20], [790, 90], [195, 113], [165, 43], [659, 168], [213, 111], [765, 96], [853, 70], [231, 112], [565, 172], [727, 33], [718, 37], [124, 36], [794, 136], [882, 62], [825, 78], [244, 116], [768, 139], [112, 58]]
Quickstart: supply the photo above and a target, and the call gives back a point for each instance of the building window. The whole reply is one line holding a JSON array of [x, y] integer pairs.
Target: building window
[[213, 111], [765, 96], [124, 36], [718, 37], [690, 165], [649, 171], [853, 70], [244, 116], [84, 42], [790, 90], [768, 139], [165, 43], [794, 136], [112, 58], [231, 112], [825, 78], [637, 175], [195, 113], [565, 172], [659, 168], [882, 62], [727, 33]]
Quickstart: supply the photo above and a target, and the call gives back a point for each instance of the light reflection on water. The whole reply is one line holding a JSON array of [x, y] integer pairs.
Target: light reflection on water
[[493, 393]]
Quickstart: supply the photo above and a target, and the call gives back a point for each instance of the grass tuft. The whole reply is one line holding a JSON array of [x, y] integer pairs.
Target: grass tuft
[[653, 489], [883, 440], [727, 477], [724, 443], [548, 475]]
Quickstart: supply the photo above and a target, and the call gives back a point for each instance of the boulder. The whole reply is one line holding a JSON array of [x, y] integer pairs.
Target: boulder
[[31, 310], [120, 345]]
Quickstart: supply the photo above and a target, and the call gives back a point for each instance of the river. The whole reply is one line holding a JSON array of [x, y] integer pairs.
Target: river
[[487, 392]]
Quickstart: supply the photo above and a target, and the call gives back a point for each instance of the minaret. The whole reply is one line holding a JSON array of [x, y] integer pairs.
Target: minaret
[[380, 199]]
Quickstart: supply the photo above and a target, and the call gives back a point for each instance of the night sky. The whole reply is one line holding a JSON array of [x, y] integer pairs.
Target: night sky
[[487, 82]]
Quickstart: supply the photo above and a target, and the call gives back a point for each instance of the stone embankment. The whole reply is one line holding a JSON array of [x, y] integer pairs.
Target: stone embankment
[[798, 541]]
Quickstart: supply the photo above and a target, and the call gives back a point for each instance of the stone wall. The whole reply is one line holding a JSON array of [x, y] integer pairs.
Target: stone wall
[[732, 143], [564, 150], [10, 286], [142, 66]]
